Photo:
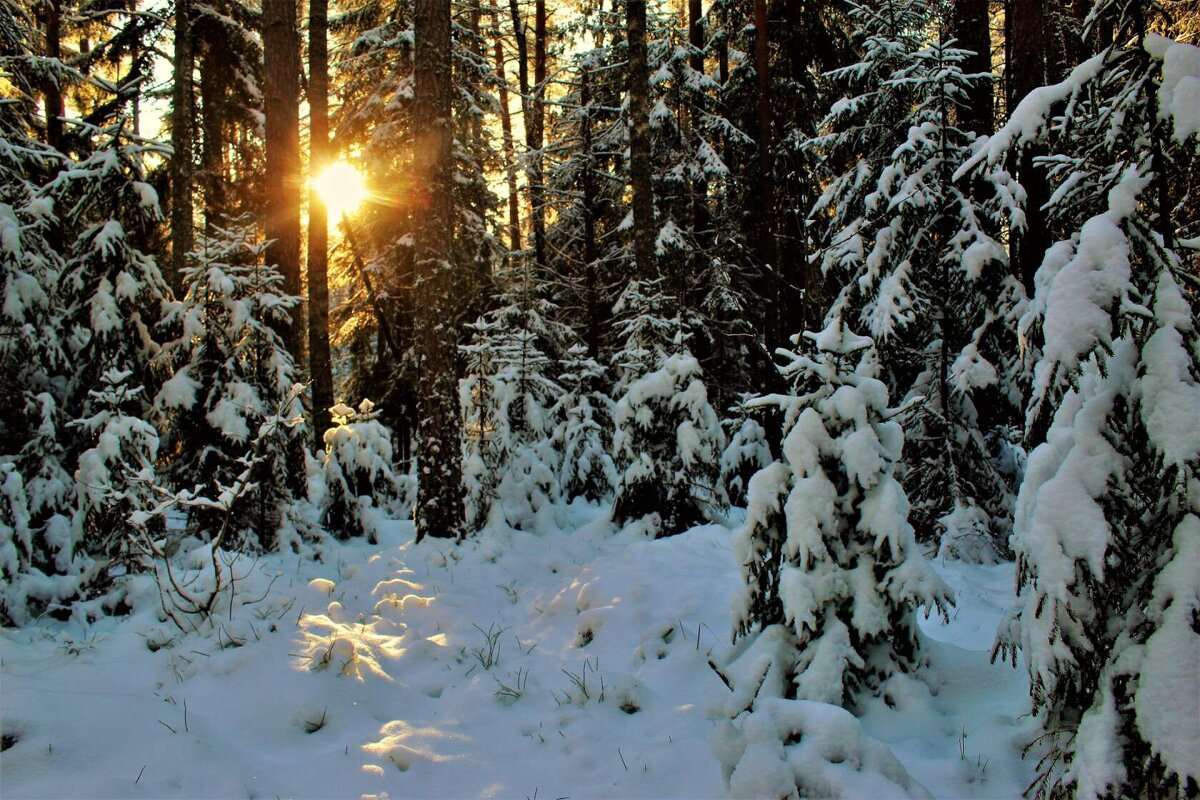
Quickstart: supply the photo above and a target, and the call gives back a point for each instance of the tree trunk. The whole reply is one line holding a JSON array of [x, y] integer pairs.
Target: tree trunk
[[281, 183], [182, 116], [439, 502], [1027, 72], [55, 107], [212, 148], [320, 368], [591, 250], [510, 163], [972, 33], [640, 175], [700, 215], [765, 180], [537, 138]]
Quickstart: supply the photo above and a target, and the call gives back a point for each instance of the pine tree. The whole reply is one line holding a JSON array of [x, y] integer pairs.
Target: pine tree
[[827, 548]]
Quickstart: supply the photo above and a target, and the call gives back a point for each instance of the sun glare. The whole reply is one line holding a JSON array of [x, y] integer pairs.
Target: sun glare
[[342, 188]]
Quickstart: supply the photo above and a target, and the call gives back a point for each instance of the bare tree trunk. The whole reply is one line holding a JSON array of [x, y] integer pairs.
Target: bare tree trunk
[[701, 219], [533, 115], [320, 367], [281, 184], [182, 116], [972, 32], [640, 174], [439, 502], [212, 148], [510, 163], [1026, 69], [537, 137], [591, 250], [765, 180], [55, 107]]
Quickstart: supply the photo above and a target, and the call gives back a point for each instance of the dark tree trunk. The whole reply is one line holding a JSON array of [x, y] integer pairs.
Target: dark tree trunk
[[640, 174], [972, 33], [55, 107], [1026, 72], [701, 219], [537, 138], [320, 368], [533, 116], [591, 250], [510, 163], [182, 116], [764, 205], [281, 184], [212, 148], [439, 502]]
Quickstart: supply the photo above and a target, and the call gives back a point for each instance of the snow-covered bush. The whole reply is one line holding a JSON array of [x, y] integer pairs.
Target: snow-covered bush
[[1107, 530], [827, 549], [230, 373], [361, 485], [667, 447]]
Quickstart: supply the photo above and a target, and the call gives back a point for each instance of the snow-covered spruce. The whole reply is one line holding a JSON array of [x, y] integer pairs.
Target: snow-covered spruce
[[231, 373], [116, 477], [747, 453], [80, 294], [509, 405], [1107, 530], [362, 488], [585, 429], [667, 448], [827, 548], [920, 267]]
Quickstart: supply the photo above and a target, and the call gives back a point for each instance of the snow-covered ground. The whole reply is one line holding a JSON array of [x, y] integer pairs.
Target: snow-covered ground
[[572, 664]]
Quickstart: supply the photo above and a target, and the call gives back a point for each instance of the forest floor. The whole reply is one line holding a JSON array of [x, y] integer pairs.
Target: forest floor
[[568, 664]]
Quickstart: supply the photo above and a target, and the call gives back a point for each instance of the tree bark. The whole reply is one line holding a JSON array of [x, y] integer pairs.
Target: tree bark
[[701, 219], [281, 183], [510, 163], [319, 361], [55, 107], [1026, 67], [971, 30], [537, 137], [182, 116], [765, 179], [640, 175], [439, 501], [212, 148], [591, 249]]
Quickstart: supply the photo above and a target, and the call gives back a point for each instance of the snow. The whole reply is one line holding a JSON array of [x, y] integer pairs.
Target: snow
[[1179, 93], [367, 675]]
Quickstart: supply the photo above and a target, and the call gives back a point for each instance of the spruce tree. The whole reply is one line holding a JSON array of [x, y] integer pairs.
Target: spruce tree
[[1107, 530], [921, 270], [827, 549], [230, 375]]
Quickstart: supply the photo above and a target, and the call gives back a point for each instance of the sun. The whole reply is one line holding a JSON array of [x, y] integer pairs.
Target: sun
[[342, 188]]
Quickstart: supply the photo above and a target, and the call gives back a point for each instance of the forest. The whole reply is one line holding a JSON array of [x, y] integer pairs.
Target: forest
[[653, 398]]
